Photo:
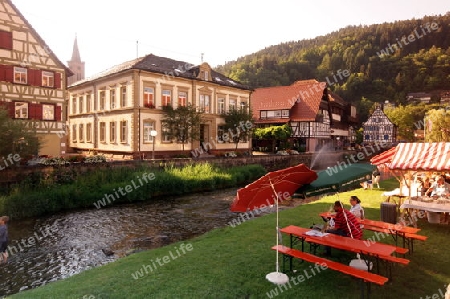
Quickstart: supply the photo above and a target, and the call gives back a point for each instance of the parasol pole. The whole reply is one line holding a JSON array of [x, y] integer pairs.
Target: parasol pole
[[276, 277]]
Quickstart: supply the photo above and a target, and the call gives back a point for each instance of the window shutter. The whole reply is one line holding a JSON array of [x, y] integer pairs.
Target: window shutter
[[9, 73], [38, 111], [37, 77], [5, 40], [10, 107], [34, 77], [2, 72], [58, 113], [33, 111], [57, 80]]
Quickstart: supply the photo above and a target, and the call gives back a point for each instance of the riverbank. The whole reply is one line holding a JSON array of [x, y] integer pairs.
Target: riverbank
[[55, 247], [232, 262], [64, 189]]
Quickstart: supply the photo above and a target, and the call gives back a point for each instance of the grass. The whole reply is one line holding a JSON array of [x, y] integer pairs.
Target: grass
[[233, 262], [65, 189]]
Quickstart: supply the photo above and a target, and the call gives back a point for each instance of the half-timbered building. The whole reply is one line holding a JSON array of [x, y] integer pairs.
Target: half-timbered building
[[32, 80], [379, 128], [318, 118]]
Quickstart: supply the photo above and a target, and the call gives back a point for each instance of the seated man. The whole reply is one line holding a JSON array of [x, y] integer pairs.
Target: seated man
[[345, 224]]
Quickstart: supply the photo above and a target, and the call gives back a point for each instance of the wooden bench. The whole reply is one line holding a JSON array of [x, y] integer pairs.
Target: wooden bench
[[408, 238], [364, 276]]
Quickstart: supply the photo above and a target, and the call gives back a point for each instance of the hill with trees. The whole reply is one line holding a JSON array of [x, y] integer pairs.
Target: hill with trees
[[381, 62]]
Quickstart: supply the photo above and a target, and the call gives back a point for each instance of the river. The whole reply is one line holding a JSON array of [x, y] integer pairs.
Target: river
[[55, 247]]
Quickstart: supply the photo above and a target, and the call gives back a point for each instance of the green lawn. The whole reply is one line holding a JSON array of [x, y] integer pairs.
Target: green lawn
[[233, 262]]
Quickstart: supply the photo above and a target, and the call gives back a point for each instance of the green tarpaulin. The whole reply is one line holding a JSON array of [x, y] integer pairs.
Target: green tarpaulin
[[338, 178]]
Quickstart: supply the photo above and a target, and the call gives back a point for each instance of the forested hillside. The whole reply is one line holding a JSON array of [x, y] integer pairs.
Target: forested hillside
[[385, 61]]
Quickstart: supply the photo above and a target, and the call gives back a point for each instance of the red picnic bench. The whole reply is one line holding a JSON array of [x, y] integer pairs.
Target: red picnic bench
[[364, 276]]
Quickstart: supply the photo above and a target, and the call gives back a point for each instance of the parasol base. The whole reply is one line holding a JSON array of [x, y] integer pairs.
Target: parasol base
[[277, 278]]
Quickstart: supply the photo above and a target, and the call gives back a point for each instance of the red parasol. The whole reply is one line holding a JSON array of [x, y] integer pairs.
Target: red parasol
[[274, 185], [270, 189]]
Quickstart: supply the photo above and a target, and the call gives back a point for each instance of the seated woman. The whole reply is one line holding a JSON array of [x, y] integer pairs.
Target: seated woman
[[356, 208], [439, 187]]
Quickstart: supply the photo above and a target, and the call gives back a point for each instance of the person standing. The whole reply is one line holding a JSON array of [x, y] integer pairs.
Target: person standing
[[376, 175], [4, 238]]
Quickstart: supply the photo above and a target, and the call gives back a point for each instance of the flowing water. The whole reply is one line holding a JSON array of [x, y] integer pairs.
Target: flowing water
[[52, 248]]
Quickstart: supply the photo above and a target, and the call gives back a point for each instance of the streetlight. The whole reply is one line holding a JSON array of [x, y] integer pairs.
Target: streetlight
[[153, 133]]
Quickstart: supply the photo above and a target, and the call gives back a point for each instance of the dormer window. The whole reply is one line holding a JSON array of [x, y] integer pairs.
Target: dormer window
[[206, 76]]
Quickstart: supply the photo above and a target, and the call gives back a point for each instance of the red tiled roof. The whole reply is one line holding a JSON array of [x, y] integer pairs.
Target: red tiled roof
[[302, 96]]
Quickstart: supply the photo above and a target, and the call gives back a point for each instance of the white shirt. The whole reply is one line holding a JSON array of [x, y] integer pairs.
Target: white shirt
[[357, 210]]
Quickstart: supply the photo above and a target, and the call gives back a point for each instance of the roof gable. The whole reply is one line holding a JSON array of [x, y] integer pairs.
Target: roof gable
[[376, 116], [45, 48]]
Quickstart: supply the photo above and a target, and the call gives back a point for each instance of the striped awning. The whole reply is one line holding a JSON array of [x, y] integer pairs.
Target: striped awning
[[422, 156], [384, 158]]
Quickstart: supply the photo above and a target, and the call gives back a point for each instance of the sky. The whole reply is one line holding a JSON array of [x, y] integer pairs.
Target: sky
[[112, 32]]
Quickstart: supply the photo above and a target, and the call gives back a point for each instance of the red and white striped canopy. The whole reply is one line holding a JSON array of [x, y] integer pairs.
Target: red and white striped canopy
[[384, 158], [422, 156]]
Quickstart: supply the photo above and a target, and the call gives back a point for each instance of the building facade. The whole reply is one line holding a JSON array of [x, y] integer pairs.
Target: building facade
[[32, 80], [117, 111], [317, 117], [379, 128]]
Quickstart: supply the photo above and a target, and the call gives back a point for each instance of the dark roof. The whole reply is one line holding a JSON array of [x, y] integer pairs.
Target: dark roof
[[167, 67]]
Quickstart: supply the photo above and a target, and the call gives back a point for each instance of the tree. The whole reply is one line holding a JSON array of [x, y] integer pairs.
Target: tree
[[238, 124], [402, 117], [182, 123], [16, 139], [274, 133], [437, 124]]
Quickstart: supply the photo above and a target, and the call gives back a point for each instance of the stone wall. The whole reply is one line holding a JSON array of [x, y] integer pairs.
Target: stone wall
[[270, 162]]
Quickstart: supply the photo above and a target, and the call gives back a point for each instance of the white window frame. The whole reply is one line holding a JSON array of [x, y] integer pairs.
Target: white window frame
[[221, 105], [102, 100], [88, 103], [21, 110], [182, 98], [102, 131], [48, 79], [20, 75], [112, 132], [80, 104], [48, 112], [112, 99], [205, 103], [232, 104], [74, 133], [123, 96], [149, 97], [123, 131], [81, 132], [88, 132], [74, 104], [166, 93], [148, 126]]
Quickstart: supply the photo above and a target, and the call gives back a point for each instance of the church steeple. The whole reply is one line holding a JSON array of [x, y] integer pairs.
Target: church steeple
[[76, 65], [76, 53]]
